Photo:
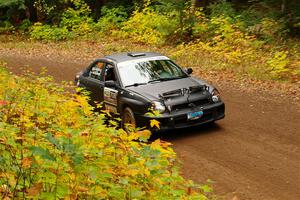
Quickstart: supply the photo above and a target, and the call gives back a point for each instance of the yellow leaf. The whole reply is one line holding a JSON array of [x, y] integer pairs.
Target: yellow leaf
[[3, 188], [154, 123], [156, 145], [6, 198], [132, 172], [123, 135], [20, 138], [147, 172], [144, 135], [81, 189], [106, 112], [2, 140]]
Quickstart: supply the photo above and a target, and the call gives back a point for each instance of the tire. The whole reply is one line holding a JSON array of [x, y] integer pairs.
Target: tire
[[128, 119]]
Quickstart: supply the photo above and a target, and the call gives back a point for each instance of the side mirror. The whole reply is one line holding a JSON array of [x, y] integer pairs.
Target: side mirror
[[110, 84], [189, 70]]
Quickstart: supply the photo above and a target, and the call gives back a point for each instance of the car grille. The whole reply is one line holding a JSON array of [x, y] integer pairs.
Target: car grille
[[201, 102]]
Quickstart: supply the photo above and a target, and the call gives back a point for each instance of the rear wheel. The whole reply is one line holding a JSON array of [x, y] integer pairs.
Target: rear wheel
[[128, 119]]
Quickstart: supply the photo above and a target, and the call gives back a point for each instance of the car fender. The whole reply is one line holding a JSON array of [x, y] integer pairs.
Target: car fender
[[138, 104]]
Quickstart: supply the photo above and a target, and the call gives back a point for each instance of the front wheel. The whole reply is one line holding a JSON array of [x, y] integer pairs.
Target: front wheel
[[128, 119]]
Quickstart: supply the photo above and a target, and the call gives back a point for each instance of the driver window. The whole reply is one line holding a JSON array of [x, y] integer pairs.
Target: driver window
[[109, 73], [96, 70]]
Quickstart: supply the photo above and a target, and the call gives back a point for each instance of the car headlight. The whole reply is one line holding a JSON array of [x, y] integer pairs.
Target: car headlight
[[159, 106], [215, 96]]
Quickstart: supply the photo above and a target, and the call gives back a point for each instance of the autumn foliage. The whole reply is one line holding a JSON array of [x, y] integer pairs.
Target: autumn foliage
[[259, 39], [52, 146]]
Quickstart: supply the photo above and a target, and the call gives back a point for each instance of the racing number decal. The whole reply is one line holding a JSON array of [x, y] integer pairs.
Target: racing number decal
[[110, 99]]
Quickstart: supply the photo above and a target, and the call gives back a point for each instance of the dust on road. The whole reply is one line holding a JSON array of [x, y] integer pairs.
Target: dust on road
[[252, 154]]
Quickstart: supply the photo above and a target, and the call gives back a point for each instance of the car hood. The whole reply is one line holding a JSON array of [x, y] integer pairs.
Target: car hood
[[174, 92]]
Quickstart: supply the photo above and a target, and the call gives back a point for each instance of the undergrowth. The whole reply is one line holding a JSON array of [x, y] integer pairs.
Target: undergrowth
[[251, 41], [52, 146]]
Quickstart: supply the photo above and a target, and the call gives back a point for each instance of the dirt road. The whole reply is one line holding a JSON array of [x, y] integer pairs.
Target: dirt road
[[252, 154]]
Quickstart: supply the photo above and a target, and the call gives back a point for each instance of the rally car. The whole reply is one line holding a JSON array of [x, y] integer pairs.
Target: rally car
[[134, 84]]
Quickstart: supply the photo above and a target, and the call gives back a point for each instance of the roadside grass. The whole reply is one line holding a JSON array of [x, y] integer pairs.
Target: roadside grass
[[254, 64]]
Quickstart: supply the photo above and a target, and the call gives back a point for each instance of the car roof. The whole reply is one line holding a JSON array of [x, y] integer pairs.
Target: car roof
[[128, 56]]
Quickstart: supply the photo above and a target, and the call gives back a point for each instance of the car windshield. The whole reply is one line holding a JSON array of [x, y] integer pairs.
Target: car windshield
[[144, 71]]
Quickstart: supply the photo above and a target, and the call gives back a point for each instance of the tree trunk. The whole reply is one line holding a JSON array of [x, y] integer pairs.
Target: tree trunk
[[283, 6], [201, 3], [31, 12]]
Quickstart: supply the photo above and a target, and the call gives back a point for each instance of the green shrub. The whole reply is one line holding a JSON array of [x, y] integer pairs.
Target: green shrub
[[46, 32], [278, 64], [52, 146], [222, 8], [200, 28], [77, 20], [25, 25], [250, 17], [6, 27], [272, 29], [148, 26], [112, 18]]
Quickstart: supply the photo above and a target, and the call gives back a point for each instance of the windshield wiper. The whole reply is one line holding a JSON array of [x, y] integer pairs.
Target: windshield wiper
[[165, 79], [135, 84], [156, 80]]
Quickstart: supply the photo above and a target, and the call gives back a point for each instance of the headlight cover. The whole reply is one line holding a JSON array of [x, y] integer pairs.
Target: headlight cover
[[215, 96], [158, 106]]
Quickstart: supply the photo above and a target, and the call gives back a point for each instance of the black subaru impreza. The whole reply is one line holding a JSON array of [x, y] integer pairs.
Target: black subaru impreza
[[131, 84]]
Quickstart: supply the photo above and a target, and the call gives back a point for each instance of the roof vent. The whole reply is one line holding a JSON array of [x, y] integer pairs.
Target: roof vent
[[136, 54]]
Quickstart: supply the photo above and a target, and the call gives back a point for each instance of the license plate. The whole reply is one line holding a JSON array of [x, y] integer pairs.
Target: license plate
[[194, 115]]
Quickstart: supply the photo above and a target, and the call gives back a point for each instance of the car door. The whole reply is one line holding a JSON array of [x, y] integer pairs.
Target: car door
[[111, 91], [93, 81]]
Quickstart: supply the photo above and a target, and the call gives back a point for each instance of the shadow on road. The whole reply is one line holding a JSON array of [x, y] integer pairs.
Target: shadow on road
[[178, 134]]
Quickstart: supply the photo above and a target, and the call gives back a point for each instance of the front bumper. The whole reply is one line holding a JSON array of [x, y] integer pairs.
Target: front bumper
[[178, 119]]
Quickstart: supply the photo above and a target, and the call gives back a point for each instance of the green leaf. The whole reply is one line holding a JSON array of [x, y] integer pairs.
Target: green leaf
[[62, 190], [178, 193], [51, 139], [43, 153], [47, 196], [123, 181], [206, 188], [136, 193]]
